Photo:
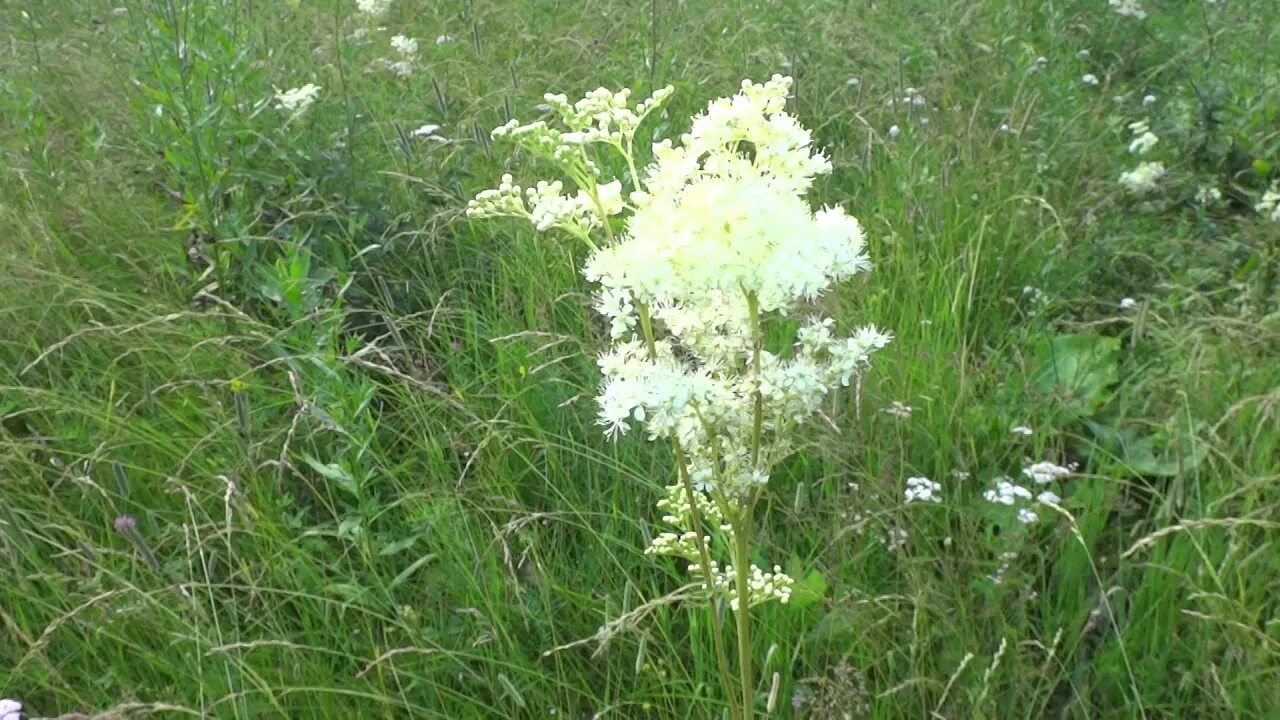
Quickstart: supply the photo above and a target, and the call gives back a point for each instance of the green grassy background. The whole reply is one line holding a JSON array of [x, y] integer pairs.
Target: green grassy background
[[356, 430]]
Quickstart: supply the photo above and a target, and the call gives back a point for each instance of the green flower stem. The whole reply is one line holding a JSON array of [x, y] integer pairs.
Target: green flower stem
[[741, 565], [704, 554]]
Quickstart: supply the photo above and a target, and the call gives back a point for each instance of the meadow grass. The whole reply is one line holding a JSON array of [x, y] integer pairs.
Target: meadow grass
[[356, 430]]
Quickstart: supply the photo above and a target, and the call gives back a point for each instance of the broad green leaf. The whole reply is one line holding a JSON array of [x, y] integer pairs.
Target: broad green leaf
[[1077, 370]]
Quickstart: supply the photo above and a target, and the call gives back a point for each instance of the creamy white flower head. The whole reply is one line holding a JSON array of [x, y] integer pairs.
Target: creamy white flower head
[[1208, 195], [1269, 205], [1007, 492], [11, 709], [899, 410], [1143, 139], [373, 8], [1128, 304], [407, 47], [1143, 179], [1089, 79], [1043, 473], [1128, 8], [296, 100], [922, 489], [1026, 516]]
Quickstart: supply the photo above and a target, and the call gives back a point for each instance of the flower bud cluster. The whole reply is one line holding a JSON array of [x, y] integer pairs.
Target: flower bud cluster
[[547, 207]]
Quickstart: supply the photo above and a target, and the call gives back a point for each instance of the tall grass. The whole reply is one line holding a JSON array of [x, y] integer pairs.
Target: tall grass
[[357, 435]]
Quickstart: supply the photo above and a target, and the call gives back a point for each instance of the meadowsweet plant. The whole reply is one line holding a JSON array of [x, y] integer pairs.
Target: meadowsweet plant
[[693, 256]]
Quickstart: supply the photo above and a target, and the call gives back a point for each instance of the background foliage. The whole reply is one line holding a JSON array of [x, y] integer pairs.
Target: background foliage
[[356, 431]]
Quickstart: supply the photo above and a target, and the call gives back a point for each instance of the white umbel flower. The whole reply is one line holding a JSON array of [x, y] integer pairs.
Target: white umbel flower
[[922, 489], [1128, 8], [296, 100], [11, 709], [406, 47], [1269, 205], [373, 8], [1143, 179]]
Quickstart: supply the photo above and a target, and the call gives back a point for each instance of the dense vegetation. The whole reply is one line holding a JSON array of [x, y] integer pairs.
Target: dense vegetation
[[285, 434]]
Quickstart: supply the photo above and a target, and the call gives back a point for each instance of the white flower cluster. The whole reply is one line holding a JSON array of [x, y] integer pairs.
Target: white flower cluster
[[1143, 179], [296, 100], [602, 116], [922, 489], [1010, 493], [373, 8], [547, 206], [1128, 8], [406, 53], [11, 709], [1143, 139], [1269, 205], [717, 238]]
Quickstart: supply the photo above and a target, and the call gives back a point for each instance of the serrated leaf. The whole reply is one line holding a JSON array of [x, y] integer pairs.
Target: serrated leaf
[[808, 591]]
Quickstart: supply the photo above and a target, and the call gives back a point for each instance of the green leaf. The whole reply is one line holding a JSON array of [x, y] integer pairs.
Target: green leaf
[[334, 473], [1077, 370], [808, 591], [1148, 454]]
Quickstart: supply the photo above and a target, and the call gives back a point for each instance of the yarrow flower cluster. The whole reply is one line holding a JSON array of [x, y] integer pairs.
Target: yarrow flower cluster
[[373, 8], [712, 240], [297, 100], [1269, 205], [1143, 139], [922, 489], [1010, 493], [406, 54], [1128, 8], [1143, 179]]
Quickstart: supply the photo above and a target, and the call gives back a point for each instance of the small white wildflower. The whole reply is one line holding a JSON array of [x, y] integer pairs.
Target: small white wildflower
[[1043, 473], [959, 475], [1128, 8], [425, 130], [1022, 430], [407, 47], [1148, 100], [1143, 139], [1007, 492], [1208, 195], [1128, 304], [899, 410], [296, 100], [11, 709], [1083, 54], [1269, 205], [1048, 498], [922, 489], [1143, 143], [1027, 516], [894, 130], [1089, 79], [373, 8], [1144, 178], [895, 538], [444, 39], [1004, 128], [852, 82]]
